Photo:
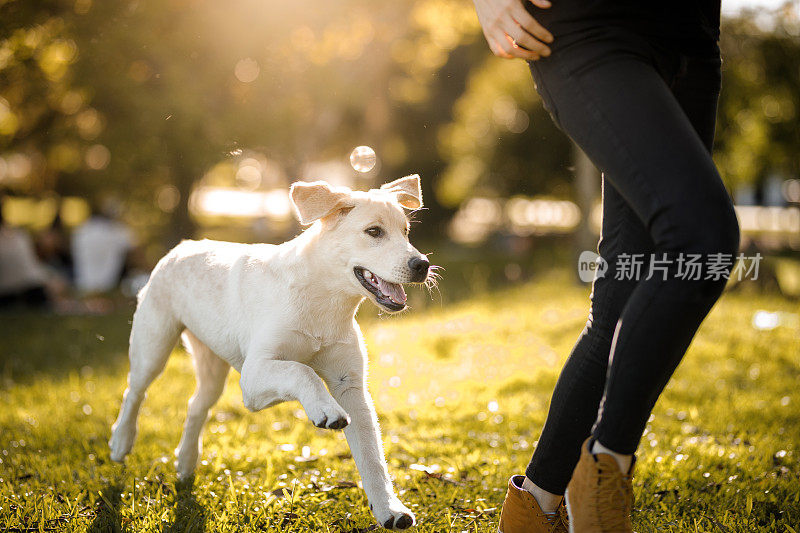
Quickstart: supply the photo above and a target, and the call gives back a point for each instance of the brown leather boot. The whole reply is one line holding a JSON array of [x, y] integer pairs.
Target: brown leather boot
[[599, 496], [522, 514]]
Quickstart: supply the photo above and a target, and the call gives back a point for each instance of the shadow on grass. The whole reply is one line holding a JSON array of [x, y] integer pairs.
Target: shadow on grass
[[190, 516], [107, 518], [40, 343]]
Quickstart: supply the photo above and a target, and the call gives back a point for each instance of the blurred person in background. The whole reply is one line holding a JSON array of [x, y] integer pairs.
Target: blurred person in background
[[100, 248], [24, 281], [53, 248], [635, 85]]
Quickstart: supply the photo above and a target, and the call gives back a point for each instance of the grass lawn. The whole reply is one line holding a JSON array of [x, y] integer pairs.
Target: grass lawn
[[461, 389]]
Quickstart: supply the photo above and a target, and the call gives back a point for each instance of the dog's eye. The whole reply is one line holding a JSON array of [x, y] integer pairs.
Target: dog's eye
[[374, 231]]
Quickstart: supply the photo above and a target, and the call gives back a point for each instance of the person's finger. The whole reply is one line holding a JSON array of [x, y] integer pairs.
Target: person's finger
[[512, 49], [497, 49], [531, 25], [544, 4], [523, 39]]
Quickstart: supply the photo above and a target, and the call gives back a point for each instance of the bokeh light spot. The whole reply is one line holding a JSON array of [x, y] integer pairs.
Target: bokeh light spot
[[248, 176], [247, 70], [97, 157], [18, 166], [167, 198], [71, 102], [89, 123]]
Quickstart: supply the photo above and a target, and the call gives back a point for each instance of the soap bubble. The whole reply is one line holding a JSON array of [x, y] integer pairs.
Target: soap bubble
[[363, 158]]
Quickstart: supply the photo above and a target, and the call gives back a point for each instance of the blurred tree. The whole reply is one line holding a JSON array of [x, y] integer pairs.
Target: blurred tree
[[176, 86], [142, 99], [183, 83], [45, 119], [759, 111], [501, 141]]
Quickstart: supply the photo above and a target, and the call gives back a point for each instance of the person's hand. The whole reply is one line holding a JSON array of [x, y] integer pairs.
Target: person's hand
[[511, 31]]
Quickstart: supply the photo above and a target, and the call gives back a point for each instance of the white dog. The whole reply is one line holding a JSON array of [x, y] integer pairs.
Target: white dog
[[283, 316]]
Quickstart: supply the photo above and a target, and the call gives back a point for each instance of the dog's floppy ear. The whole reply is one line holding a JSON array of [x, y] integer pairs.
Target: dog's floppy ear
[[409, 193], [317, 199]]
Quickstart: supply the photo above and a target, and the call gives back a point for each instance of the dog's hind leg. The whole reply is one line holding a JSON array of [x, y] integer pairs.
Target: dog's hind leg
[[153, 336], [211, 374]]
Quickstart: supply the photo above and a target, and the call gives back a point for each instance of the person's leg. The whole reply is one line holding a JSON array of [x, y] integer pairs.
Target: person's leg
[[695, 215], [611, 99], [576, 398], [694, 82]]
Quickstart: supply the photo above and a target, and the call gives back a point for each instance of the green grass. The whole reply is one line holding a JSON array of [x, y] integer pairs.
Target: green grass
[[462, 390]]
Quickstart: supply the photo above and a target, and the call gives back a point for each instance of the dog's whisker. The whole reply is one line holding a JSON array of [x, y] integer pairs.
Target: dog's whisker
[[433, 275], [432, 283]]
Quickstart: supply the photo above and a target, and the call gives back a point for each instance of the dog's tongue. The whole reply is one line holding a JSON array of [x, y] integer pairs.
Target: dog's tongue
[[392, 290]]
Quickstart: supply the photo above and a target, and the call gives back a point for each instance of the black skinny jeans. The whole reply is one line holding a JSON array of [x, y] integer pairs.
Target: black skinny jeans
[[643, 111]]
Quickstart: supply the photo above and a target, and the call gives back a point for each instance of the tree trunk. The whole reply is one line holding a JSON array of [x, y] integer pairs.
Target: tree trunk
[[181, 225]]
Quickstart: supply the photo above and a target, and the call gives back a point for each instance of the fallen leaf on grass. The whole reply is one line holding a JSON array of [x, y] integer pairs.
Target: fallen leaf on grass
[[431, 474], [281, 492], [475, 512]]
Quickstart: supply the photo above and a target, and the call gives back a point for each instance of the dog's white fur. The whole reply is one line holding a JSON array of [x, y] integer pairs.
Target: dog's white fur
[[283, 316]]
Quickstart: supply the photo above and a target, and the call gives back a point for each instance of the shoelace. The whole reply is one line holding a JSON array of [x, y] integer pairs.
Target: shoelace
[[557, 522], [614, 512], [560, 524], [563, 516]]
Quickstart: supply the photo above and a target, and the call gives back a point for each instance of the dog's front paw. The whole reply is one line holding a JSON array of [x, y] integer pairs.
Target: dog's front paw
[[329, 417], [394, 516]]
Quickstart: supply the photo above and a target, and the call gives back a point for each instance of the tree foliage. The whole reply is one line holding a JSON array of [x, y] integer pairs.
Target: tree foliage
[[759, 111], [131, 97]]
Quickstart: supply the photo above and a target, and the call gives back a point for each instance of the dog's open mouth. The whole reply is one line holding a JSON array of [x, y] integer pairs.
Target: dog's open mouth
[[390, 295]]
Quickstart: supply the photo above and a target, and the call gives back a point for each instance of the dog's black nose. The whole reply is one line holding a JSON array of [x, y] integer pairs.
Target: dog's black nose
[[419, 268]]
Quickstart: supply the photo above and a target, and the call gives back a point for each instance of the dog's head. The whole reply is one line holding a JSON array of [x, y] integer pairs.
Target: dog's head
[[365, 234]]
